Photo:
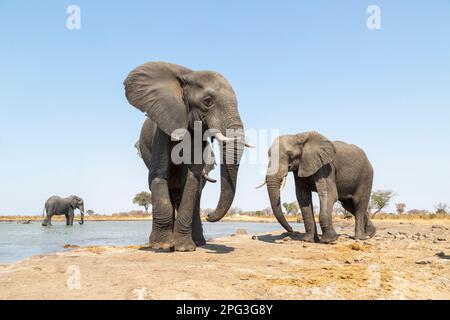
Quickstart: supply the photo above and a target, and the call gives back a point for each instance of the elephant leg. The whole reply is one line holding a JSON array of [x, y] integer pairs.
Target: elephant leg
[[71, 218], [197, 228], [184, 219], [161, 236], [67, 219], [364, 227], [327, 196], [47, 220], [304, 199]]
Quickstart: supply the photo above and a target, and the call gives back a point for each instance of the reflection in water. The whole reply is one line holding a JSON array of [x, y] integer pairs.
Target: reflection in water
[[19, 241]]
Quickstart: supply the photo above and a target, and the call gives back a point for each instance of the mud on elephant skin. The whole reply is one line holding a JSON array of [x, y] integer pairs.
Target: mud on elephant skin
[[335, 170], [174, 98], [56, 205]]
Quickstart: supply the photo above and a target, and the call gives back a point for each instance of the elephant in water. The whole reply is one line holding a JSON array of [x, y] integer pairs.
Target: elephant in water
[[182, 104], [335, 170], [63, 206]]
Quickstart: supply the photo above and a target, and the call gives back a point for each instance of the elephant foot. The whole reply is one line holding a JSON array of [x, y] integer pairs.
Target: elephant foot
[[329, 236], [310, 237], [184, 243], [361, 236], [161, 239], [370, 230], [199, 240]]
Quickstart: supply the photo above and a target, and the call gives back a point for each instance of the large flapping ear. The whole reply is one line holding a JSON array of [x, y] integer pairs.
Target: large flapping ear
[[155, 88], [74, 202], [317, 152]]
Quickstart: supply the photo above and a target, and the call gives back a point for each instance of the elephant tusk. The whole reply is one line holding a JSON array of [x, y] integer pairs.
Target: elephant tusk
[[219, 136], [209, 179], [263, 184], [283, 184], [248, 145]]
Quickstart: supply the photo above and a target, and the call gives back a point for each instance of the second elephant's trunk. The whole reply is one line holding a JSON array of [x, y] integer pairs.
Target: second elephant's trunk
[[273, 188]]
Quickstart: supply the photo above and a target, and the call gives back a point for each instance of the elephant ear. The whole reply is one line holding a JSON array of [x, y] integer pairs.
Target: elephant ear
[[317, 152], [155, 88], [74, 202]]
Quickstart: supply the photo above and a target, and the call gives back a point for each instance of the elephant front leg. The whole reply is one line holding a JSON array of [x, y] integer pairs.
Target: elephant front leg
[[69, 218], [47, 221], [184, 220], [327, 197], [161, 236], [197, 228], [304, 199]]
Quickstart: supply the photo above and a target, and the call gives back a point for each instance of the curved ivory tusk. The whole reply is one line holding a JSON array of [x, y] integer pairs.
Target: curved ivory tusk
[[248, 145], [263, 184], [283, 183], [209, 179], [219, 136]]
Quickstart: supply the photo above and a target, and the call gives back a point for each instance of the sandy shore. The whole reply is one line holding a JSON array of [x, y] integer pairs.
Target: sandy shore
[[406, 260]]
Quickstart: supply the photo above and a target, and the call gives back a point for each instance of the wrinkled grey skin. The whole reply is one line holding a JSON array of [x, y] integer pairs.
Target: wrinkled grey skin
[[174, 97], [63, 206], [178, 174], [335, 170]]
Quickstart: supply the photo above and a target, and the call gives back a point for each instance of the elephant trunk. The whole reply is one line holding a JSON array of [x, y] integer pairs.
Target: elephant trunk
[[231, 153], [82, 214], [273, 188]]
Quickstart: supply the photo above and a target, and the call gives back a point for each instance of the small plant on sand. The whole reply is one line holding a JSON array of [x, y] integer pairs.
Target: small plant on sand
[[143, 199], [90, 212], [380, 199]]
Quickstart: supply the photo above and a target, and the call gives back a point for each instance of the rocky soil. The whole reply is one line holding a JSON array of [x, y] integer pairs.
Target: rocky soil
[[405, 260]]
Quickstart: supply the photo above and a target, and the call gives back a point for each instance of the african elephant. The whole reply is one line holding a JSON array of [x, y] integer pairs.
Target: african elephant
[[63, 206], [335, 170], [182, 106]]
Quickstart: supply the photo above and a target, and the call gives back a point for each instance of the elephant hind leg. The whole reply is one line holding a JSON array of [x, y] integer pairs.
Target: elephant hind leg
[[364, 227]]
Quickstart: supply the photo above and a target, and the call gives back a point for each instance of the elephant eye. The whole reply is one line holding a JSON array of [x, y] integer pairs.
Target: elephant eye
[[208, 102]]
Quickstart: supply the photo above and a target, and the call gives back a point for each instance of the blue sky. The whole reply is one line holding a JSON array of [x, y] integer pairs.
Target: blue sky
[[66, 127]]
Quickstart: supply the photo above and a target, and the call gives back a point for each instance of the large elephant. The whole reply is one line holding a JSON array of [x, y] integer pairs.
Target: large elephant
[[335, 170], [177, 100], [63, 206]]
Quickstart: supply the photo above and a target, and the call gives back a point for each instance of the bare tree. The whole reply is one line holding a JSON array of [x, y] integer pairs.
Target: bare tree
[[400, 207]]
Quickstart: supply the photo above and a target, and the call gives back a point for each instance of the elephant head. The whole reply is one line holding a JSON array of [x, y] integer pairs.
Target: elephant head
[[78, 203], [303, 153], [175, 97]]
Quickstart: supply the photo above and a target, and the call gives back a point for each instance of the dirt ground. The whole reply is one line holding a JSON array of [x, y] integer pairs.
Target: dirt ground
[[406, 260]]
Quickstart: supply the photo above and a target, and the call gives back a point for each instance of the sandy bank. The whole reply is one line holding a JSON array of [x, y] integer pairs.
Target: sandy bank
[[406, 260]]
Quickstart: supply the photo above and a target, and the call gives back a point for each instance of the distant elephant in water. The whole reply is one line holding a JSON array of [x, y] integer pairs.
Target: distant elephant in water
[[335, 170], [63, 206], [174, 98]]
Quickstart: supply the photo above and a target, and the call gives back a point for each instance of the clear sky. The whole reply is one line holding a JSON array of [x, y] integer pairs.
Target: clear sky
[[66, 127]]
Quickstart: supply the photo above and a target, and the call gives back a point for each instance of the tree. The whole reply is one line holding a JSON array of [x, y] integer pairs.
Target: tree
[[234, 210], [291, 207], [143, 199], [339, 209], [441, 208], [400, 207], [380, 199], [90, 212]]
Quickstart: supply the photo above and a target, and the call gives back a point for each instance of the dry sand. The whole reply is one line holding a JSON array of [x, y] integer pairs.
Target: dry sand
[[406, 260]]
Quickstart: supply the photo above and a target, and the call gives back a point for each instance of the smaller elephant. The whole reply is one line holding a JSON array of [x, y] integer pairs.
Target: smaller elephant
[[335, 170], [63, 206]]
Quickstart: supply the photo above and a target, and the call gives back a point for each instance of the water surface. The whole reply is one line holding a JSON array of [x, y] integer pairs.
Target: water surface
[[19, 241]]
